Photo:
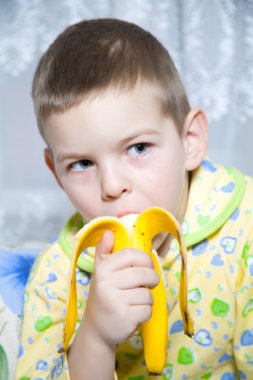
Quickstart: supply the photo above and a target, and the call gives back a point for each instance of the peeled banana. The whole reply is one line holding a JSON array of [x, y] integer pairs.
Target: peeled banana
[[138, 235]]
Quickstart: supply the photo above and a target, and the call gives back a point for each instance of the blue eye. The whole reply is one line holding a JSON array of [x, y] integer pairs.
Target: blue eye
[[138, 149], [81, 165]]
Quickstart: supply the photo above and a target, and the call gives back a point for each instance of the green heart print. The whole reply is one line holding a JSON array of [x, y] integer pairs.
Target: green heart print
[[203, 220], [220, 308], [43, 323], [185, 356]]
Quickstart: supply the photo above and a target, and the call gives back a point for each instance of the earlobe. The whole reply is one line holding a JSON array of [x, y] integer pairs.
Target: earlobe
[[196, 138], [50, 164]]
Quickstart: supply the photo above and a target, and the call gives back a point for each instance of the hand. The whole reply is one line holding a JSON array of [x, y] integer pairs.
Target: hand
[[119, 298]]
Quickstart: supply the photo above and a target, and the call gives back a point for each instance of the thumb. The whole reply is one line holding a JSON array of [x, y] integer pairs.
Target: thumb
[[104, 247]]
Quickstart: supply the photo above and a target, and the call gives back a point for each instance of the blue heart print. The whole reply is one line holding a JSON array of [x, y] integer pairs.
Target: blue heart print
[[217, 260], [52, 277], [242, 375], [235, 215], [57, 370], [247, 338], [251, 269], [228, 376], [50, 293], [200, 249], [228, 244], [81, 279], [208, 166], [215, 325], [177, 326], [204, 338], [228, 188], [225, 358], [42, 365]]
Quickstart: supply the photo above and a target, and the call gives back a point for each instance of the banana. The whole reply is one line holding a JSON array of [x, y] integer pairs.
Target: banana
[[136, 234]]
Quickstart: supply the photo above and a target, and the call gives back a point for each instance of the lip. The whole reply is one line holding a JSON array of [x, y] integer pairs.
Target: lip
[[124, 213]]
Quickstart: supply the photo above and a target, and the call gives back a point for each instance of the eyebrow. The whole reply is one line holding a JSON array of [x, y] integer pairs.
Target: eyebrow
[[146, 131], [73, 156], [68, 156]]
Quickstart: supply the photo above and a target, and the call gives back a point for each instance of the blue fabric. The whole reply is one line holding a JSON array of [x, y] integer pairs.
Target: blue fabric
[[15, 266]]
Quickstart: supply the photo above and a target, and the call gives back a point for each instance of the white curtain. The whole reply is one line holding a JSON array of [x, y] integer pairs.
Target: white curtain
[[211, 43]]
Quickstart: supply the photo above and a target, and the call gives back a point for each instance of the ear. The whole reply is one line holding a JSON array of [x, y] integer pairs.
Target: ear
[[195, 137], [49, 160]]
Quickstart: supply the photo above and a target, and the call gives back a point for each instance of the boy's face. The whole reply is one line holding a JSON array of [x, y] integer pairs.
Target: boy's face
[[116, 153]]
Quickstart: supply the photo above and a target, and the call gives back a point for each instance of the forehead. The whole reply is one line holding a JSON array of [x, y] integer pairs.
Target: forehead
[[110, 105], [147, 89]]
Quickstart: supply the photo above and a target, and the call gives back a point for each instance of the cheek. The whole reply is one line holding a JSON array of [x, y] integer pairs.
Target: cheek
[[166, 186], [87, 207], [78, 184], [81, 195], [167, 174]]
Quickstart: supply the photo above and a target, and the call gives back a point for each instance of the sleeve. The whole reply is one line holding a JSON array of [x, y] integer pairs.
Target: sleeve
[[243, 338], [44, 316]]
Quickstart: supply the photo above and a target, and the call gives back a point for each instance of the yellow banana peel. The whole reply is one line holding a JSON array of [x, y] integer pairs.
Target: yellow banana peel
[[144, 227]]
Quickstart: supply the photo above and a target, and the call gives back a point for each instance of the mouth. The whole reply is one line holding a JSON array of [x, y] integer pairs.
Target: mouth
[[124, 213]]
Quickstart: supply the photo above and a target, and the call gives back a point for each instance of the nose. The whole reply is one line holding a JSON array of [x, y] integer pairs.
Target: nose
[[114, 181]]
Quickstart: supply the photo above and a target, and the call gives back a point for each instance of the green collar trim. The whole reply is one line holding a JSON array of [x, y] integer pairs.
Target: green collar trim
[[86, 259], [231, 206], [65, 240]]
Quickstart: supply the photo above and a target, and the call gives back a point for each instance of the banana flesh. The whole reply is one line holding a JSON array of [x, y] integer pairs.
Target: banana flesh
[[136, 232]]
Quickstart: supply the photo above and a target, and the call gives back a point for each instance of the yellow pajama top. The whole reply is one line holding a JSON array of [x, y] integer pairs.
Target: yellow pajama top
[[218, 232]]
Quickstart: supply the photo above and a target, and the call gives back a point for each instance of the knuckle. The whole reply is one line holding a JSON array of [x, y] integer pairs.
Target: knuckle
[[150, 298], [143, 276], [150, 277], [147, 312], [148, 260], [155, 279], [133, 256], [144, 314], [129, 255]]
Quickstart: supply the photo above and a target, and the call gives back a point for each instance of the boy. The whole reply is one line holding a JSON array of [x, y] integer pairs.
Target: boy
[[121, 137]]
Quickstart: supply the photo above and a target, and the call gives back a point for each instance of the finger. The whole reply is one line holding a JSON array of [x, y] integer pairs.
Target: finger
[[139, 296], [128, 258], [135, 277], [140, 313], [104, 247]]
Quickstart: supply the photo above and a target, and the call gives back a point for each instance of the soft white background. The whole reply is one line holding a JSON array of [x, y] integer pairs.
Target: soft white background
[[211, 43]]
